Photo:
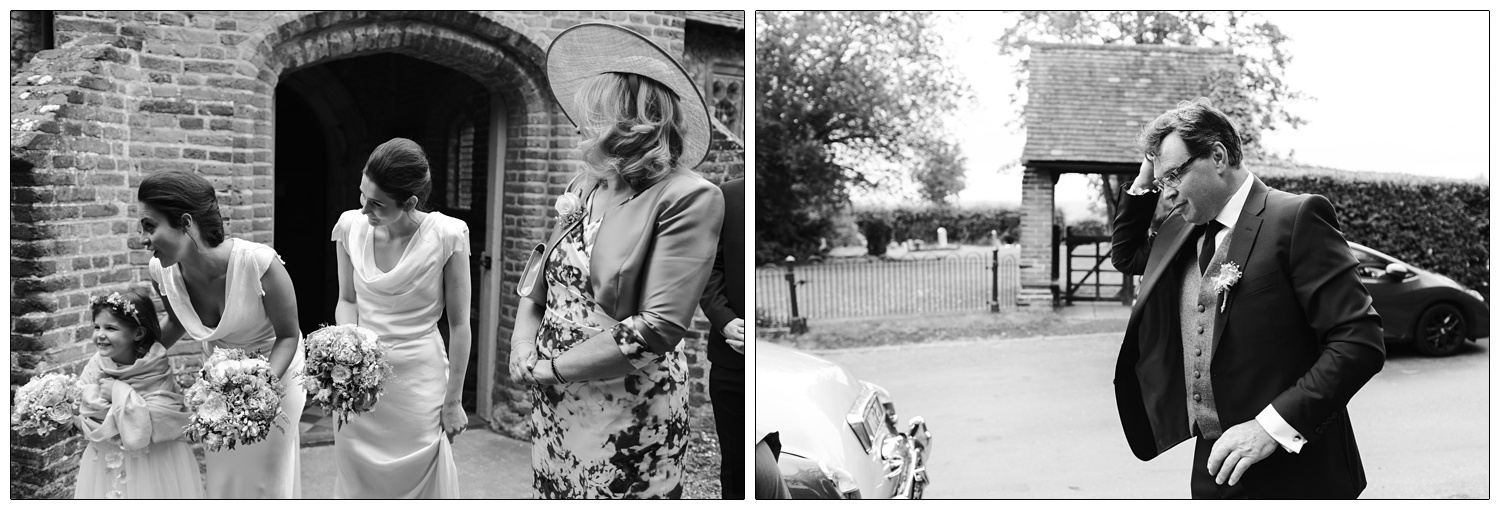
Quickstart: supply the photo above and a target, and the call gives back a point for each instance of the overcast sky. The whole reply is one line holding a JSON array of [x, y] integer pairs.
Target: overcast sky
[[1395, 92]]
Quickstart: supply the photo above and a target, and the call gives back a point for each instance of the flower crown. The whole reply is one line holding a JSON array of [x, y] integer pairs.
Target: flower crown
[[119, 304]]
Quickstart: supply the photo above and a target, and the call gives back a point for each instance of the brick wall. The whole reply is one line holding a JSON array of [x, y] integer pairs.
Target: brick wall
[[717, 54], [128, 93], [28, 35]]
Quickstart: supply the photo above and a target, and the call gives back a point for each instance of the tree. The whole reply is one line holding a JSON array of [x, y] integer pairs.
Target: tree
[[942, 173], [1254, 93], [835, 90]]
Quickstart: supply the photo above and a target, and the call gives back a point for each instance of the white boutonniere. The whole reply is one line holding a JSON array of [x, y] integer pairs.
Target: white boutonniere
[[1229, 274], [568, 208]]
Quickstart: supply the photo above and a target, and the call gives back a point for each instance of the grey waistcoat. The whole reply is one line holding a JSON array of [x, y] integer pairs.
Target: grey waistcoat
[[1199, 304]]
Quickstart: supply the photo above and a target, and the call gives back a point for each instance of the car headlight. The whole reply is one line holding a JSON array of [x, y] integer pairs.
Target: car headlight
[[814, 479]]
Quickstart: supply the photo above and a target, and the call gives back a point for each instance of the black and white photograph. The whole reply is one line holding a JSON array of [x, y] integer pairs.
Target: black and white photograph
[[1121, 255], [378, 254], [748, 254]]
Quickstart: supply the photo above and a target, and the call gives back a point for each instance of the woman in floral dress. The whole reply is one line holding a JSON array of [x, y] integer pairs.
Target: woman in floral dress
[[606, 302]]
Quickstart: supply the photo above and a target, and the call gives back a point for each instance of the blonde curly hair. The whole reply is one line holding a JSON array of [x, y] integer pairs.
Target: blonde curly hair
[[631, 125]]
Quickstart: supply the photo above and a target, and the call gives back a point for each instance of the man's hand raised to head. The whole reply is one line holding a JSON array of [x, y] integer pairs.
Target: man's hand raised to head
[[1143, 181]]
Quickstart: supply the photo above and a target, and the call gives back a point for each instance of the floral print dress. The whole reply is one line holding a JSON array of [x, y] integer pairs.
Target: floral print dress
[[615, 438]]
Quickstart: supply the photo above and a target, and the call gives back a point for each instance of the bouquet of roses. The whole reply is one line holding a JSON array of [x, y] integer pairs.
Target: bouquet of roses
[[235, 401], [46, 402], [345, 370]]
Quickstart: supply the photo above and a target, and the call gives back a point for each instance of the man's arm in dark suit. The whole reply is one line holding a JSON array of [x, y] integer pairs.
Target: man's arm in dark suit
[[1130, 241], [715, 305], [1338, 308]]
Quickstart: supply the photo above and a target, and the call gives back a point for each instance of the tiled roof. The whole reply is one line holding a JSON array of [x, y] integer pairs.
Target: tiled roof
[[1088, 102], [732, 19]]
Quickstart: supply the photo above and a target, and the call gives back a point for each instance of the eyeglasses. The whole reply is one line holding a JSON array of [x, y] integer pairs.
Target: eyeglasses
[[1174, 178]]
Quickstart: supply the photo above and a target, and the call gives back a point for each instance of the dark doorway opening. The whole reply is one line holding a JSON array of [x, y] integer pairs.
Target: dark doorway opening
[[329, 118]]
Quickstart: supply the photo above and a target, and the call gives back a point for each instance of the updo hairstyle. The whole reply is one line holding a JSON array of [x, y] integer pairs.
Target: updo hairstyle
[[399, 168], [174, 193]]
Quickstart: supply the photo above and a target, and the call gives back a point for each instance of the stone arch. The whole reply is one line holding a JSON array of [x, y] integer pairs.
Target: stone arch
[[463, 41]]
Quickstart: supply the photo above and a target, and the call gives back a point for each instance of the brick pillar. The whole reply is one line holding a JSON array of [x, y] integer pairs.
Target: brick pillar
[[69, 190], [1037, 206]]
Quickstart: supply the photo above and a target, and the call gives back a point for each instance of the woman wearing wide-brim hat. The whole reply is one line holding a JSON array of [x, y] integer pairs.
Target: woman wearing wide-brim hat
[[605, 302]]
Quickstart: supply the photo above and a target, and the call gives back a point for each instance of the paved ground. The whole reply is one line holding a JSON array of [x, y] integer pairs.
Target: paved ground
[[1096, 310], [1036, 418], [490, 466]]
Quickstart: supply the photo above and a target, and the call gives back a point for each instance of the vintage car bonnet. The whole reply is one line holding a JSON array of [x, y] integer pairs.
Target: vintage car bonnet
[[794, 388]]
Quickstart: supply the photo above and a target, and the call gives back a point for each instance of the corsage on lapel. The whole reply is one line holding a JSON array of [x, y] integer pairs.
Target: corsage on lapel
[[1229, 274], [568, 208]]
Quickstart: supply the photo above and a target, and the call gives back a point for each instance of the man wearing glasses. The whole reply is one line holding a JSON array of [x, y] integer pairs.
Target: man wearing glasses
[[1251, 331]]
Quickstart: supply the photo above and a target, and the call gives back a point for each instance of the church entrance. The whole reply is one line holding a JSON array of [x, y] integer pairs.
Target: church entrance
[[330, 117]]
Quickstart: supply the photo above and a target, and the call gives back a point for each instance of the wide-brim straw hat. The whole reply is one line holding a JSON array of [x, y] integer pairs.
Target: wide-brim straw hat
[[590, 49]]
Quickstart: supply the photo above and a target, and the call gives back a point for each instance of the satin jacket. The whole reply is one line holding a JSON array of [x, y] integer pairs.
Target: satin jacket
[[651, 258]]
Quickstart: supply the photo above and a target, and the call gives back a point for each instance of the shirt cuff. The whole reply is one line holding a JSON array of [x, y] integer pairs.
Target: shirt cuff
[[1130, 190], [1280, 430]]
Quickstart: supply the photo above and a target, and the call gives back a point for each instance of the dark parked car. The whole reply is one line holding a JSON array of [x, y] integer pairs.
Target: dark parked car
[[839, 435], [1430, 310]]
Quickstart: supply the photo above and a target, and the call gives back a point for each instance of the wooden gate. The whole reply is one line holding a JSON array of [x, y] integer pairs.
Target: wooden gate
[[1088, 274]]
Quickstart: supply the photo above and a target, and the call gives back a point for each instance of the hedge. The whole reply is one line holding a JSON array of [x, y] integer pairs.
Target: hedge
[[1441, 225], [968, 226]]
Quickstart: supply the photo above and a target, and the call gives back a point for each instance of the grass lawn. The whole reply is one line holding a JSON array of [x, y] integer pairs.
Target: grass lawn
[[881, 331]]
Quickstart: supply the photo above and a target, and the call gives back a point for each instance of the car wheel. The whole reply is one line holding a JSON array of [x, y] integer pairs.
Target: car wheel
[[1441, 330]]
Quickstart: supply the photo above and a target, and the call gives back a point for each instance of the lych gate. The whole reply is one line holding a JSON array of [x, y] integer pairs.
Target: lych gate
[[1085, 105]]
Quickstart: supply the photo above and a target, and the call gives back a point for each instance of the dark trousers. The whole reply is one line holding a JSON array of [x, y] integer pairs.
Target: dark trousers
[[1204, 486], [726, 390], [1327, 469]]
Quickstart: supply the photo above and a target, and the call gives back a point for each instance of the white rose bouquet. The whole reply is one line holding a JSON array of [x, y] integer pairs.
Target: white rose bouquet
[[236, 400], [345, 370], [45, 403]]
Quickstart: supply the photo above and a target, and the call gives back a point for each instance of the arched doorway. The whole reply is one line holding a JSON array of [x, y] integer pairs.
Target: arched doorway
[[330, 116], [521, 145]]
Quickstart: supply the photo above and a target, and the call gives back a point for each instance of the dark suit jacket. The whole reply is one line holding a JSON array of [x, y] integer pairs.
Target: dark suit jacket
[[651, 258], [724, 296], [1298, 333]]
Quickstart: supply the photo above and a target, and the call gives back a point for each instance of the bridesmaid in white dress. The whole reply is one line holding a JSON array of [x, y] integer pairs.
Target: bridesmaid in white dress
[[228, 293], [399, 268]]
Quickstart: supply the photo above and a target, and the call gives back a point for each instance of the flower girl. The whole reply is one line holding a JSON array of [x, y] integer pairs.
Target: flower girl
[[131, 412]]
